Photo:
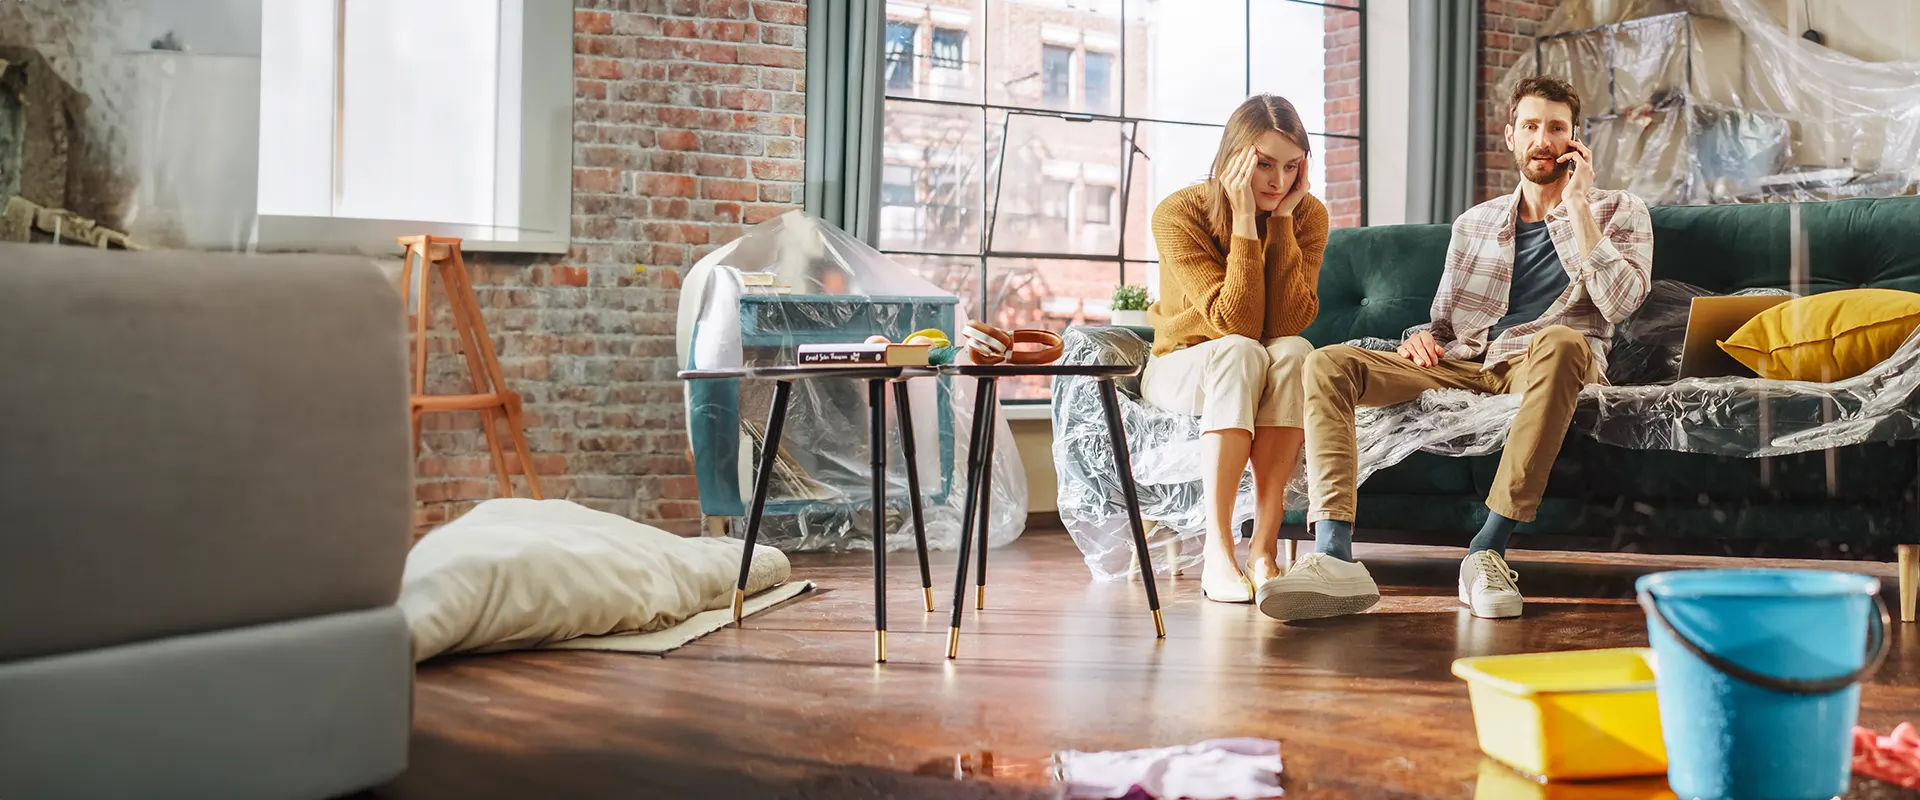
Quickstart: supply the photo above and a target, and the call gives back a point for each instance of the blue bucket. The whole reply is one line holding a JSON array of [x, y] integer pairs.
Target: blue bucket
[[1758, 675]]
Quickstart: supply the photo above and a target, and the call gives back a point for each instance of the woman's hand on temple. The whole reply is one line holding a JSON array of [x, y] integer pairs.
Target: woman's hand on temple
[[1298, 193], [1237, 180]]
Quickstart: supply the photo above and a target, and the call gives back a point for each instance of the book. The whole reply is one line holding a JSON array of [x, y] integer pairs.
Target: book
[[854, 354]]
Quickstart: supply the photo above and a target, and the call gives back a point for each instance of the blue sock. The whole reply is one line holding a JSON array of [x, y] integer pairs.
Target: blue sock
[[1493, 535], [1333, 537]]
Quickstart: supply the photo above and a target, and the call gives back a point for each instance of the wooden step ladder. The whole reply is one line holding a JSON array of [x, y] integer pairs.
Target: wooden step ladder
[[490, 396]]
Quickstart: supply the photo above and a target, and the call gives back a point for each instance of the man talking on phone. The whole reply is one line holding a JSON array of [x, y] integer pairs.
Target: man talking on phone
[[1535, 282]]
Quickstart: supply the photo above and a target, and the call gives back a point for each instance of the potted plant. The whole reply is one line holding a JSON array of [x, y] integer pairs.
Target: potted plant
[[1130, 306]]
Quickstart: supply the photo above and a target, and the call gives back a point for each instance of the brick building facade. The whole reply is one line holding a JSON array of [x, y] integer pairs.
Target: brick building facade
[[1342, 156], [1507, 28], [689, 118]]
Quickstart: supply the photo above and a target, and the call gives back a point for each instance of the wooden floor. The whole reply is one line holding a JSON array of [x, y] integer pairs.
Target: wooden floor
[[793, 706]]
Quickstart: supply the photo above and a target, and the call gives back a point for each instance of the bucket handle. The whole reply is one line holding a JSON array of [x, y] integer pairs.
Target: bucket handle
[[1876, 653]]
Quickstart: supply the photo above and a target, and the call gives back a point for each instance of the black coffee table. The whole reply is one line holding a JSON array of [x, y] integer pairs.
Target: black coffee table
[[877, 378], [986, 408]]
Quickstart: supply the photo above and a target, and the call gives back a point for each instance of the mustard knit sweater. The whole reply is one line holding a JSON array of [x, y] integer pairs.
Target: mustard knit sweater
[[1261, 289]]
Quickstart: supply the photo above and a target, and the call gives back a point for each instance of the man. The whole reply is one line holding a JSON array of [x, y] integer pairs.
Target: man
[[1534, 284]]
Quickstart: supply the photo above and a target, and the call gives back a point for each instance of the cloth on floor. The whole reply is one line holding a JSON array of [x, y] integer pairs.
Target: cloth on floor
[[515, 574], [663, 641], [1216, 769], [1894, 758]]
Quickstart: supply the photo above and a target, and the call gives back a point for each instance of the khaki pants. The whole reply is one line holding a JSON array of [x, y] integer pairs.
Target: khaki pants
[[1549, 377], [1232, 382]]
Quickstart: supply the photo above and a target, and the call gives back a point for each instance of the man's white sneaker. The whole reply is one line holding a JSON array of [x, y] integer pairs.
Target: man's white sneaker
[[1318, 586], [1488, 587]]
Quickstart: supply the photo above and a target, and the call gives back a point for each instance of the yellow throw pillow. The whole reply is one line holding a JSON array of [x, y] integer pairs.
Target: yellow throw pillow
[[1826, 337]]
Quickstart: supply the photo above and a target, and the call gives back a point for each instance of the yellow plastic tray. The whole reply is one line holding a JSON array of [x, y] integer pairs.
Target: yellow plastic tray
[[1575, 715]]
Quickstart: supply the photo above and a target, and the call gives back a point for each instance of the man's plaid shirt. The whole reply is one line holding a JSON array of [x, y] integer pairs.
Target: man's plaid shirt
[[1604, 288]]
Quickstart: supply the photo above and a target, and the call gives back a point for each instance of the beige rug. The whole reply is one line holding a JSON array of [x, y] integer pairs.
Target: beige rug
[[661, 642]]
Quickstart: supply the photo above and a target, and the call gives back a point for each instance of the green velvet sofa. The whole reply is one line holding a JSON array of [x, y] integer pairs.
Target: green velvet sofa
[[1379, 281], [1858, 502]]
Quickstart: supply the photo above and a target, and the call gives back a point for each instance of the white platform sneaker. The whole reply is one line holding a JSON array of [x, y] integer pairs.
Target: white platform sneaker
[[1489, 587], [1318, 586]]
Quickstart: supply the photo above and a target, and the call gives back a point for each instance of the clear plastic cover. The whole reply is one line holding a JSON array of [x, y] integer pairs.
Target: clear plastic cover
[[793, 280], [1738, 417], [1717, 101]]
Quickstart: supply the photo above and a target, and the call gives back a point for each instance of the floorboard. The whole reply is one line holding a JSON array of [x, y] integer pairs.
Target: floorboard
[[792, 706]]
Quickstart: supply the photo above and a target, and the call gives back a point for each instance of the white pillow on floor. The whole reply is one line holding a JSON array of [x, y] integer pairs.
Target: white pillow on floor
[[516, 574]]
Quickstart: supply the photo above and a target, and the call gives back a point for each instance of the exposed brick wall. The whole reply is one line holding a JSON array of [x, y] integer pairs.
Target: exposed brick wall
[[1507, 28], [688, 125], [1342, 156]]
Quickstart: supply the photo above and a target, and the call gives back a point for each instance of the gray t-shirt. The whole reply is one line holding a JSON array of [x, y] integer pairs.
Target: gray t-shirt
[[1538, 278]]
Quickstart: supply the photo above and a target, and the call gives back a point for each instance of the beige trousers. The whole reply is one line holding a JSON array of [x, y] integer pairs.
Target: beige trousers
[[1548, 378], [1232, 382]]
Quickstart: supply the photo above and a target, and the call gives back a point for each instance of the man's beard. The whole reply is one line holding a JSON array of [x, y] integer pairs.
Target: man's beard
[[1550, 176]]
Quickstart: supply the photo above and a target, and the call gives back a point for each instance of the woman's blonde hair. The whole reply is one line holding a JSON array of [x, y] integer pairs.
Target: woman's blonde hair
[[1259, 114]]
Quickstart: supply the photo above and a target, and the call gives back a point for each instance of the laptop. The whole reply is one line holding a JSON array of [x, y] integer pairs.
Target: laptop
[[1711, 320]]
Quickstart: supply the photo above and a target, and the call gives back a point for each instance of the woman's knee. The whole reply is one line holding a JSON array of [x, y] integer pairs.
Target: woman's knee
[[1237, 362], [1289, 354]]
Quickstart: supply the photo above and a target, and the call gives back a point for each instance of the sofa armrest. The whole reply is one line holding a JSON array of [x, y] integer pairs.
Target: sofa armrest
[[196, 442], [1107, 344]]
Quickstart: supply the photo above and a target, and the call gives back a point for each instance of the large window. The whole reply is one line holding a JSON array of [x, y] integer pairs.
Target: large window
[[1029, 141], [380, 117]]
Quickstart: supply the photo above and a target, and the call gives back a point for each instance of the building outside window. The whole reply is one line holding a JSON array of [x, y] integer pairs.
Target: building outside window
[[949, 48], [1043, 133], [900, 51], [1056, 67], [1099, 81]]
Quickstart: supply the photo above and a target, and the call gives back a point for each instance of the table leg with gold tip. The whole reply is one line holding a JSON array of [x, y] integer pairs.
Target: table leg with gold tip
[[877, 447], [986, 491], [907, 443], [1117, 438], [769, 452], [981, 396]]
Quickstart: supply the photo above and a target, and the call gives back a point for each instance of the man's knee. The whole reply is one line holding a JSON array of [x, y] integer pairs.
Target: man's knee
[[1331, 376], [1563, 351], [1560, 339], [1332, 361]]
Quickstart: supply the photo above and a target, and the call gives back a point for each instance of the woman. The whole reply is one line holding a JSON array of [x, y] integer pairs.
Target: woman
[[1239, 266]]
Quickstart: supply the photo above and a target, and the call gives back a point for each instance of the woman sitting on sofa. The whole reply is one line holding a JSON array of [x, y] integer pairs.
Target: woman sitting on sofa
[[1239, 265]]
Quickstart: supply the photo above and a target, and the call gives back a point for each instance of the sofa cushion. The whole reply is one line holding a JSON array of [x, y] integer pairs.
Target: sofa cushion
[[1422, 474], [1827, 337], [196, 441], [1603, 473], [1377, 281]]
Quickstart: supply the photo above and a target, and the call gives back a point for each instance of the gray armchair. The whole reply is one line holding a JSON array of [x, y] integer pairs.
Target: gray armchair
[[206, 491]]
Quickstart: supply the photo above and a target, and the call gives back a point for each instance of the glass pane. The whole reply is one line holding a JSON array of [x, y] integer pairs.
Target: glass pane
[[1147, 275], [1335, 175], [389, 76], [1047, 294], [931, 178], [1186, 59], [959, 275], [1051, 55], [1054, 169], [1176, 156], [936, 52], [1311, 56]]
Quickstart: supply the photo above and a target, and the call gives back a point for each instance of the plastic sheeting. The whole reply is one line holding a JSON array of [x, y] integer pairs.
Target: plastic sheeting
[[841, 290], [1717, 101], [1738, 417]]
